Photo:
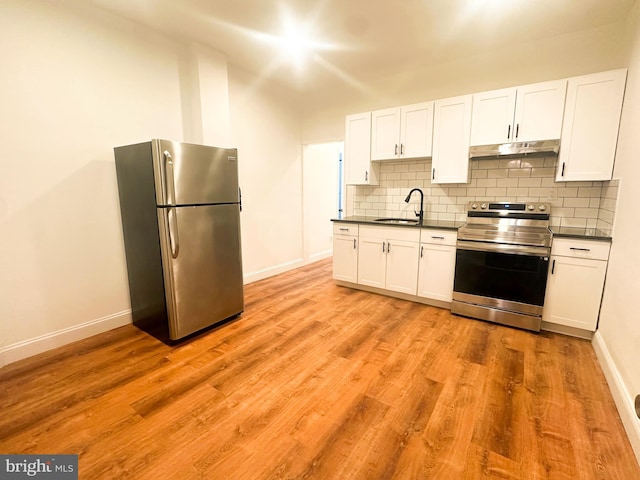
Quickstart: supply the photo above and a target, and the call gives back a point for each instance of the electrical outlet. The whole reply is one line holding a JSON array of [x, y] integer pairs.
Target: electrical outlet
[[554, 193]]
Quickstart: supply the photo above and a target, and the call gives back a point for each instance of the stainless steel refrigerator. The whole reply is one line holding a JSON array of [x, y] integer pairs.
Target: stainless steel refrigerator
[[180, 205]]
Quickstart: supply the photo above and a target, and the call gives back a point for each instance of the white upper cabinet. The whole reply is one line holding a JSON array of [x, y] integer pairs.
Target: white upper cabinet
[[590, 127], [451, 133], [416, 130], [385, 133], [357, 151], [402, 132], [522, 114]]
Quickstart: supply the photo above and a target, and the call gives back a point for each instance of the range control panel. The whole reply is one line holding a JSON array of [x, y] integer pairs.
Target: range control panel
[[505, 207]]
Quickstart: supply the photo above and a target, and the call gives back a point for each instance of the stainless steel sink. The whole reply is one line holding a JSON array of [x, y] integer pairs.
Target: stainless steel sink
[[401, 221]]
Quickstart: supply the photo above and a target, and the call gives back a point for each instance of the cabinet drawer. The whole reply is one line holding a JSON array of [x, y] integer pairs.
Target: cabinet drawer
[[391, 233], [342, 228], [569, 247], [438, 237]]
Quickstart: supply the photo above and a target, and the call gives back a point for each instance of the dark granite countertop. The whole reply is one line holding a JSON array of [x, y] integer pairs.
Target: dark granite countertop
[[426, 223], [559, 232], [583, 233]]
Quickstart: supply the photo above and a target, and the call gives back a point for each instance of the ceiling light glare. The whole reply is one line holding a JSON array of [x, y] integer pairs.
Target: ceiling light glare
[[296, 43]]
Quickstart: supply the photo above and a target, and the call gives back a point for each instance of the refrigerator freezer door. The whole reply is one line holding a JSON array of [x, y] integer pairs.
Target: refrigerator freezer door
[[188, 174], [202, 266]]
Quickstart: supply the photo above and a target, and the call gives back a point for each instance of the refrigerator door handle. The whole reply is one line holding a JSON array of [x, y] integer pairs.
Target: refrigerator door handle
[[173, 232], [169, 186], [240, 197]]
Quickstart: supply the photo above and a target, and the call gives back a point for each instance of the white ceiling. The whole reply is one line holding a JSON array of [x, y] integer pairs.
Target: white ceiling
[[365, 37]]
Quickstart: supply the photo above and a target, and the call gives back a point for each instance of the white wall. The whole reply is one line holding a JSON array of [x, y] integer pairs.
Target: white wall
[[77, 81], [265, 124], [618, 339], [73, 86]]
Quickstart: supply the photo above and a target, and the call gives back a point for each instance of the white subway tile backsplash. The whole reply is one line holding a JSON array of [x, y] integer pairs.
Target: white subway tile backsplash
[[507, 182], [488, 182], [567, 192], [576, 202], [510, 163], [479, 173], [589, 192], [543, 193], [497, 192], [485, 164], [581, 204], [532, 163], [573, 222], [477, 192], [543, 172], [586, 213], [517, 192], [529, 182], [498, 173], [520, 172]]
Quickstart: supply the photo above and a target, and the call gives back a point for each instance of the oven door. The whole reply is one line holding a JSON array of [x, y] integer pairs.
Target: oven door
[[502, 275]]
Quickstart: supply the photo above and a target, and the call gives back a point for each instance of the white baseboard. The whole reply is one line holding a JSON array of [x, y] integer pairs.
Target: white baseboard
[[320, 256], [34, 346], [624, 401], [273, 270]]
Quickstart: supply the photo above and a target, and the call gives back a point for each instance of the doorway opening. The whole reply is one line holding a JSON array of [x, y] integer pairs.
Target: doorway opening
[[323, 197]]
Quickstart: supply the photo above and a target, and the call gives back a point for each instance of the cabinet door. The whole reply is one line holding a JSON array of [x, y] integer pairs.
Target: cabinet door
[[435, 276], [402, 266], [372, 257], [416, 130], [451, 132], [357, 150], [385, 134], [539, 111], [492, 117], [345, 258], [574, 292], [590, 126]]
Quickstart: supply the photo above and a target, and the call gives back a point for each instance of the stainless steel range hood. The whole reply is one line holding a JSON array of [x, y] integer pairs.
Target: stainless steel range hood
[[516, 148]]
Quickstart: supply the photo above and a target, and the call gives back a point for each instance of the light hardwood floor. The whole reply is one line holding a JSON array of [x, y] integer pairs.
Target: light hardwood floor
[[320, 381]]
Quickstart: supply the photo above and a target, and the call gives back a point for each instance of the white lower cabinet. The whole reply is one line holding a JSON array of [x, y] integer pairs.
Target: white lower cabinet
[[388, 258], [345, 252], [437, 264], [575, 282]]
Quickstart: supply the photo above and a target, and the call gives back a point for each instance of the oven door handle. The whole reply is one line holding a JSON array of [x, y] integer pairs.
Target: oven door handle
[[503, 248]]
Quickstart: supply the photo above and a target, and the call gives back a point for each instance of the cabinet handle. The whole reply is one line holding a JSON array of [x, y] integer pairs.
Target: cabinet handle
[[437, 238], [517, 130], [366, 176], [395, 150], [562, 173], [354, 243], [553, 267], [401, 149], [388, 247], [580, 249], [382, 247], [433, 174], [508, 132], [421, 251], [344, 229]]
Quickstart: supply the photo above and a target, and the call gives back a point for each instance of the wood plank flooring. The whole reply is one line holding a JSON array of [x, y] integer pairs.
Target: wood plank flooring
[[320, 381]]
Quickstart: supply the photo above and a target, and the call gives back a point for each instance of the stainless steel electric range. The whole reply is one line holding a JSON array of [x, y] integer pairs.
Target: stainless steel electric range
[[502, 259]]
